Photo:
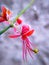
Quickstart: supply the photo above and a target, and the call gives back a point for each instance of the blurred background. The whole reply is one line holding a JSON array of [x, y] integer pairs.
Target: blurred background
[[37, 16]]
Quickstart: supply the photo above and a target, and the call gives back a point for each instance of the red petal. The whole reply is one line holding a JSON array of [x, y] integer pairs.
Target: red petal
[[30, 53], [28, 48], [14, 36], [29, 33], [9, 12], [25, 29], [2, 19], [19, 21], [4, 11], [14, 29], [23, 37], [23, 48]]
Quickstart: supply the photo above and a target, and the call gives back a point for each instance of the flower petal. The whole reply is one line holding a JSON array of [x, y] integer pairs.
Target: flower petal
[[23, 48], [19, 21], [14, 36], [3, 8], [2, 19], [29, 33], [9, 12], [28, 47], [30, 53], [14, 29], [25, 29]]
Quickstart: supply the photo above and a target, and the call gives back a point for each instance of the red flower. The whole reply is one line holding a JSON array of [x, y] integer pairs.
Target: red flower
[[4, 15], [27, 45], [19, 21]]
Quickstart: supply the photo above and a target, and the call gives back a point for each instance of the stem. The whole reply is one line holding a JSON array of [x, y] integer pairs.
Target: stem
[[23, 11], [1, 32]]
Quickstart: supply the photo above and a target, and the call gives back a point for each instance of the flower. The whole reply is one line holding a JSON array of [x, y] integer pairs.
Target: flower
[[16, 24], [19, 21], [5, 14], [27, 45]]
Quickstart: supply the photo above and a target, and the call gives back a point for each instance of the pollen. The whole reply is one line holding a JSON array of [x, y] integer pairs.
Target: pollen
[[35, 50]]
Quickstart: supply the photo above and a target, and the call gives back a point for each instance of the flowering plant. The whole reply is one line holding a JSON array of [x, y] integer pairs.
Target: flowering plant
[[25, 30]]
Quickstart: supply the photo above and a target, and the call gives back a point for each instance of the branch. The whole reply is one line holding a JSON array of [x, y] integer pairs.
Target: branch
[[4, 30]]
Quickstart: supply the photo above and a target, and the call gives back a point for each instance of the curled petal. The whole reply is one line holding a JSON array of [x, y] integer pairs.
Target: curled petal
[[14, 29], [9, 12], [30, 53], [23, 47], [32, 44], [25, 29], [2, 19], [29, 33], [14, 36], [3, 8], [24, 50], [28, 48], [6, 13]]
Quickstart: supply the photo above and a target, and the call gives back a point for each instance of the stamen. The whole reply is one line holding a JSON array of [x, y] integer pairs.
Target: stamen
[[35, 50]]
